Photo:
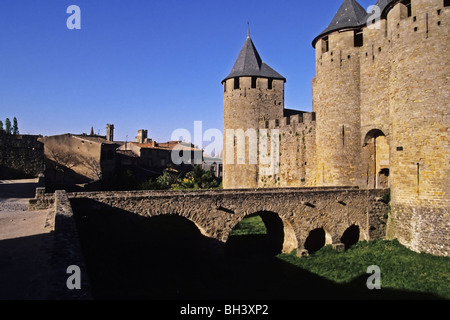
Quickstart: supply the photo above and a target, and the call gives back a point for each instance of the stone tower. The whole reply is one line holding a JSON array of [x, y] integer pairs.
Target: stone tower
[[141, 136], [336, 98], [251, 92], [419, 93], [110, 132], [381, 97]]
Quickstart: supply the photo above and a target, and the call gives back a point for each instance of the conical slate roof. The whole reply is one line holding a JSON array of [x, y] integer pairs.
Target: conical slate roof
[[249, 63], [382, 4], [350, 15]]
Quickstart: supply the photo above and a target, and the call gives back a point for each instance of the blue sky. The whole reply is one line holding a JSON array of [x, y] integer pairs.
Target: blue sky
[[143, 64]]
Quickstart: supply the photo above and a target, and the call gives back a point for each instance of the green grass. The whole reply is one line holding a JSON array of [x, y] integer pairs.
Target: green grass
[[252, 225], [401, 268]]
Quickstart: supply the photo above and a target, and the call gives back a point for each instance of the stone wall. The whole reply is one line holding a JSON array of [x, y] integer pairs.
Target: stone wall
[[297, 148], [419, 96], [66, 249], [21, 156]]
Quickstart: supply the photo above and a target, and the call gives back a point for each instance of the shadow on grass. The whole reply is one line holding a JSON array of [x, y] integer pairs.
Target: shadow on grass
[[166, 257]]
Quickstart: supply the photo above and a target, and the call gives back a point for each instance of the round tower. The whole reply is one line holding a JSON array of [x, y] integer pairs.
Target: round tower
[[419, 96], [251, 92], [336, 97]]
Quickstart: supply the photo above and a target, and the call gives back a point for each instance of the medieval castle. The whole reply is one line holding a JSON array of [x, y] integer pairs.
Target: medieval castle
[[381, 116]]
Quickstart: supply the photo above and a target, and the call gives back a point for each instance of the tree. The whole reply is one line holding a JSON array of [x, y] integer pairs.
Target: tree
[[8, 126], [15, 129], [93, 166], [1, 127], [62, 161], [92, 132]]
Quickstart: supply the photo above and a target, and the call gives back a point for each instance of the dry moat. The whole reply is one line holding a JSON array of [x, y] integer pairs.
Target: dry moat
[[166, 257]]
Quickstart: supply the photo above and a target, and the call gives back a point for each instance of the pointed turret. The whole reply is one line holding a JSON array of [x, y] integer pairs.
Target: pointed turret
[[382, 4], [350, 15], [252, 92], [249, 63]]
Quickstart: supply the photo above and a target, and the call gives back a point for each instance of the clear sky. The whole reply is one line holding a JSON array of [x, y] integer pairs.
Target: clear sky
[[144, 64]]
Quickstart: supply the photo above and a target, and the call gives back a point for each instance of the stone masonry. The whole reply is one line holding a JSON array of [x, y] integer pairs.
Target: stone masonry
[[217, 212], [380, 116]]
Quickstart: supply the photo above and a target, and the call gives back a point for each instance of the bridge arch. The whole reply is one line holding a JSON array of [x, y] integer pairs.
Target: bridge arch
[[316, 239], [350, 236], [278, 236], [191, 218]]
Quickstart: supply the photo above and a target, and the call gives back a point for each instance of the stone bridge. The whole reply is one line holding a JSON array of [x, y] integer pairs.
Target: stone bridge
[[294, 215]]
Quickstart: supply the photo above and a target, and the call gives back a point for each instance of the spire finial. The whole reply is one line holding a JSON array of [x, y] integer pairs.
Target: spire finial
[[248, 29]]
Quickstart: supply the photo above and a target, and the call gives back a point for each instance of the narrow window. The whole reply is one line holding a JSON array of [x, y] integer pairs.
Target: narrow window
[[267, 124], [415, 29], [288, 120], [236, 83], [358, 39], [270, 84], [277, 122], [225, 86], [439, 12], [254, 82], [325, 45]]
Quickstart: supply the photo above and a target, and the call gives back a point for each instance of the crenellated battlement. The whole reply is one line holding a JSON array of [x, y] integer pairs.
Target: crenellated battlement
[[400, 21], [289, 123]]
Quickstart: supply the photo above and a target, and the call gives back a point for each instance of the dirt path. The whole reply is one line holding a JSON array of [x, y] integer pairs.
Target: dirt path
[[25, 244]]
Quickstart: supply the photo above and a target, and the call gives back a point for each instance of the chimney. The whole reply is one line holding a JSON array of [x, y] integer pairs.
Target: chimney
[[110, 132]]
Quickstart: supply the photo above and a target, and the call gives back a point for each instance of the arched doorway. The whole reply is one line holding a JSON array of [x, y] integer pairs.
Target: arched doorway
[[262, 233], [316, 239], [350, 236], [376, 149]]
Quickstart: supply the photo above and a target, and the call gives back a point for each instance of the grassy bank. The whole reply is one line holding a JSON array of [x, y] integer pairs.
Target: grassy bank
[[401, 268]]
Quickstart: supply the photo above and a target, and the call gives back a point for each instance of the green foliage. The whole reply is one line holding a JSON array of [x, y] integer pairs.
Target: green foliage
[[249, 226], [8, 126], [15, 128], [195, 179], [387, 197], [401, 268]]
